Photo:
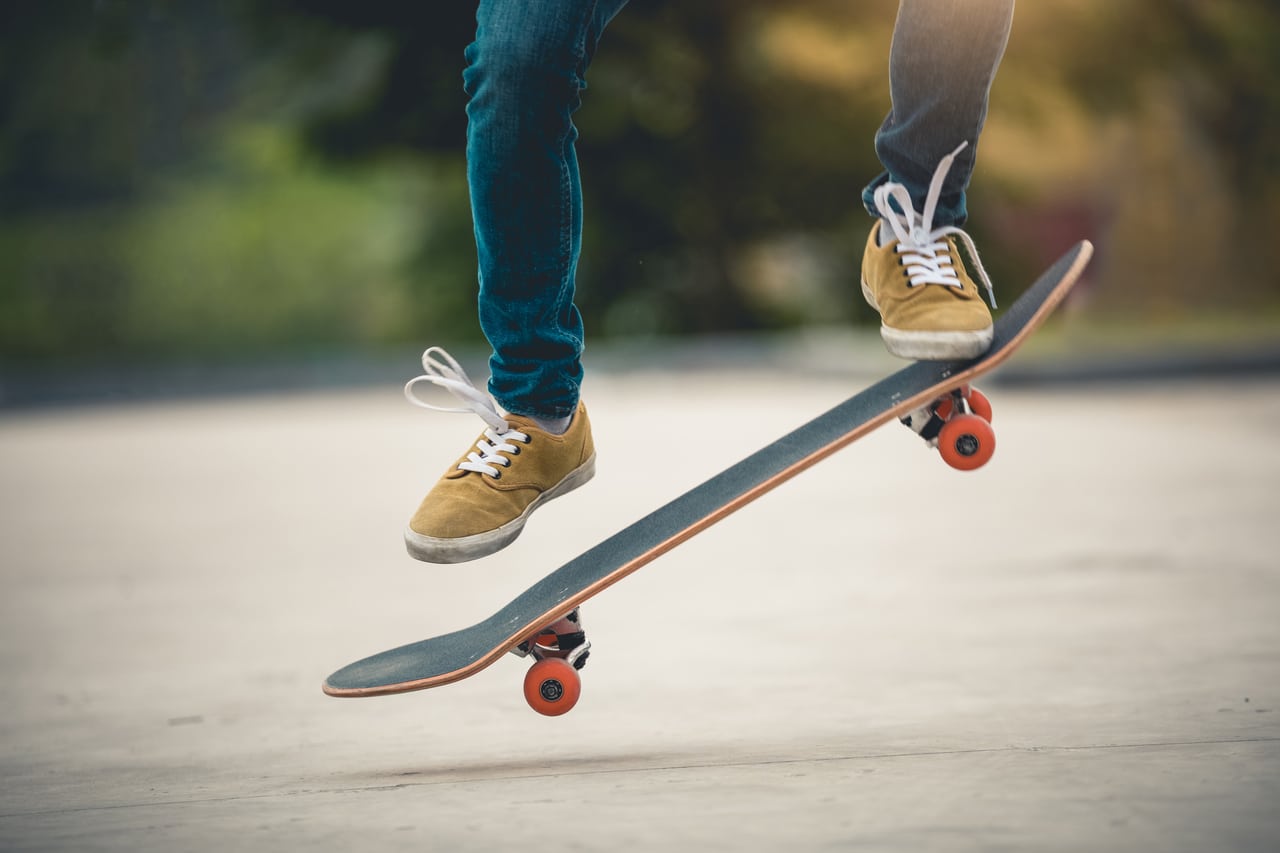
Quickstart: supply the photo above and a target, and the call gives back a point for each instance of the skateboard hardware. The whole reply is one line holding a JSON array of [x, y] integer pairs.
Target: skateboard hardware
[[563, 638], [932, 398], [958, 425], [552, 685]]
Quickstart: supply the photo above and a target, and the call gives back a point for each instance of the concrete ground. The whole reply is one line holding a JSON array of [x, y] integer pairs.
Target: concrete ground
[[1075, 648]]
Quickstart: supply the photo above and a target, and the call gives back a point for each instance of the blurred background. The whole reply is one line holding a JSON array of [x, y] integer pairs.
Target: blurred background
[[1075, 648], [227, 182]]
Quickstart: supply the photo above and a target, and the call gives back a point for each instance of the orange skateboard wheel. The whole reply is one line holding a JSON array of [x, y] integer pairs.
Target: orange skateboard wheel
[[978, 404], [552, 687], [966, 442]]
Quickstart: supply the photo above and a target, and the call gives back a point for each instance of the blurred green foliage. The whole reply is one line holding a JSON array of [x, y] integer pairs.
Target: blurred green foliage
[[223, 178]]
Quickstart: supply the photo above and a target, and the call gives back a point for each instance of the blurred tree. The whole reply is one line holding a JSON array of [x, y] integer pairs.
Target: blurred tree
[[293, 150], [153, 198], [1221, 58], [700, 144], [1183, 99], [414, 102], [696, 143], [96, 96]]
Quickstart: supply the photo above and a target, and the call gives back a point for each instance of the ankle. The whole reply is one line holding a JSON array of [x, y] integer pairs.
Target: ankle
[[884, 234], [554, 426]]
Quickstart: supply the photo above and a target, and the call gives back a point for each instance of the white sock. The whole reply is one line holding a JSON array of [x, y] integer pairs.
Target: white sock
[[555, 426], [885, 235]]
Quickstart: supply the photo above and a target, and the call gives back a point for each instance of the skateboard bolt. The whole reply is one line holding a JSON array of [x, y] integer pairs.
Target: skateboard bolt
[[551, 690]]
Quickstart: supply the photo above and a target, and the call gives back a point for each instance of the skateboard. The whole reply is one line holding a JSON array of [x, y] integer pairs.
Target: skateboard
[[933, 398]]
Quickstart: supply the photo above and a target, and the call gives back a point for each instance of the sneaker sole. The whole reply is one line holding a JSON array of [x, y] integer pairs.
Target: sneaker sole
[[929, 345], [936, 346], [430, 549]]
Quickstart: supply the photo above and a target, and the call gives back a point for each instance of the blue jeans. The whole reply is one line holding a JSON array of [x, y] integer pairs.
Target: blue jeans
[[524, 78], [943, 59]]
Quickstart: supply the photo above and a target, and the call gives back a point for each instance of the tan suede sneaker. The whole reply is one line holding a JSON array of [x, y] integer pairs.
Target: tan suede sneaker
[[929, 306], [480, 505], [921, 318]]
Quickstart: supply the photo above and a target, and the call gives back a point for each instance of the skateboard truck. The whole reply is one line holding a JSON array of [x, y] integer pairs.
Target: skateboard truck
[[958, 424], [552, 685]]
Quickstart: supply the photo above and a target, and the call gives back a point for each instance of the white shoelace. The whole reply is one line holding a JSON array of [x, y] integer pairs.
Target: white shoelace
[[443, 371], [923, 248]]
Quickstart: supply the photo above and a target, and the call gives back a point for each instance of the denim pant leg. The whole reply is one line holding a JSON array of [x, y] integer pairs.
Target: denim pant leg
[[943, 59], [524, 78]]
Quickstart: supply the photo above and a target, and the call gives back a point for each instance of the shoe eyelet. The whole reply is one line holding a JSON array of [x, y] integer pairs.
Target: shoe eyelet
[[515, 451]]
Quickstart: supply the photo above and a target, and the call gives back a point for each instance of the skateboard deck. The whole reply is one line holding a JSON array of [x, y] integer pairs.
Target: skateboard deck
[[516, 627]]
